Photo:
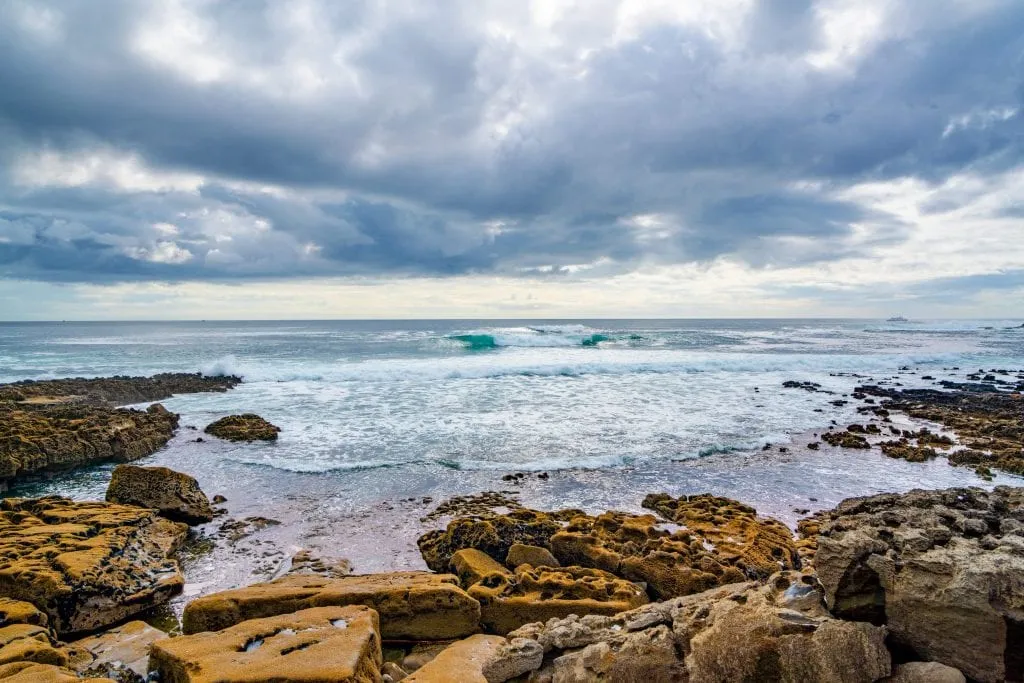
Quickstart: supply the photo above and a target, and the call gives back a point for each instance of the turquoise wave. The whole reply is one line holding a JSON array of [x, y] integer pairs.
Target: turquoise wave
[[489, 341]]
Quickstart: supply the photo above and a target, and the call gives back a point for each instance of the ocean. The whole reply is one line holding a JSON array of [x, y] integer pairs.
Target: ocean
[[378, 417]]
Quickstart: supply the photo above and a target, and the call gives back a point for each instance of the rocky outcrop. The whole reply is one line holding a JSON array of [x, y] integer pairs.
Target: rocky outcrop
[[532, 555], [86, 565], [775, 632], [114, 391], [508, 601], [411, 605], [494, 535], [337, 644], [29, 672], [247, 427], [35, 439], [943, 570], [173, 495]]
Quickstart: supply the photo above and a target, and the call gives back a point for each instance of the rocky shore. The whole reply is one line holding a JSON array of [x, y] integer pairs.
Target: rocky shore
[[52, 425], [920, 586]]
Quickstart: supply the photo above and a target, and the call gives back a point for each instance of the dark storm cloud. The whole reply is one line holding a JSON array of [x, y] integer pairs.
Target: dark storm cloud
[[426, 143]]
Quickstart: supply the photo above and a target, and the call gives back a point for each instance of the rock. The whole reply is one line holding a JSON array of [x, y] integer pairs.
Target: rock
[[925, 672], [508, 602], [647, 656], [392, 670], [29, 643], [87, 565], [304, 562], [467, 658], [28, 672], [513, 658], [494, 536], [247, 427], [219, 500], [530, 554], [43, 438], [473, 566], [114, 391], [422, 653], [944, 570], [337, 644], [173, 495], [411, 605], [124, 647], [845, 439], [19, 612]]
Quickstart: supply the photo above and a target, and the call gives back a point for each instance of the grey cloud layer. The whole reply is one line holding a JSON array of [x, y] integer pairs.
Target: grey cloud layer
[[419, 141]]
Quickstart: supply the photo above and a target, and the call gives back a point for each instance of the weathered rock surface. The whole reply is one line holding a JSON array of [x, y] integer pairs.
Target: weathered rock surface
[[123, 648], [508, 601], [114, 391], [247, 427], [336, 644], [463, 661], [411, 605], [473, 566], [775, 632], [944, 570], [494, 535], [530, 554], [173, 495], [35, 438], [925, 672], [86, 565], [29, 672]]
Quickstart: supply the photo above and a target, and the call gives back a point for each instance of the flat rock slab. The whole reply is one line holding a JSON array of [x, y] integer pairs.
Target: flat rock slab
[[126, 646], [320, 645], [86, 565], [463, 661], [28, 672], [411, 605]]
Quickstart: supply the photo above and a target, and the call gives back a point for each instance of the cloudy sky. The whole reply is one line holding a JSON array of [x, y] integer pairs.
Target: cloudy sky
[[497, 158]]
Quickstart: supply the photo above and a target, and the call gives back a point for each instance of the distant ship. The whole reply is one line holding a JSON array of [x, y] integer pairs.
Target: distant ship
[[897, 319]]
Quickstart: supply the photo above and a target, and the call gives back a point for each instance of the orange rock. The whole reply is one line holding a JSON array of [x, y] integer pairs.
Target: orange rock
[[463, 661]]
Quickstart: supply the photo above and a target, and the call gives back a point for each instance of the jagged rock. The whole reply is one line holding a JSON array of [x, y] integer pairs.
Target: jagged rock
[[114, 391], [247, 427], [465, 659], [493, 535], [411, 605], [845, 439], [513, 658], [123, 648], [530, 554], [509, 601], [85, 564], [944, 570], [925, 672], [779, 631], [29, 672], [40, 438], [337, 644], [473, 566], [173, 495]]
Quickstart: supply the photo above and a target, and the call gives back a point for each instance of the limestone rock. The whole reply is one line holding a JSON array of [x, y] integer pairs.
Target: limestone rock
[[247, 427], [463, 661], [85, 564], [124, 647], [29, 672], [944, 570], [513, 658], [29, 643], [114, 391], [473, 566], [509, 601], [43, 438], [530, 554], [925, 672], [173, 495], [305, 562], [647, 656], [337, 644], [493, 535], [20, 612], [411, 605]]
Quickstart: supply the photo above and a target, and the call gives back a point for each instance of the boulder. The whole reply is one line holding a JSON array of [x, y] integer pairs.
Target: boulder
[[509, 601], [337, 644], [247, 427], [123, 648], [86, 564], [411, 605], [532, 555], [493, 535], [943, 570], [925, 672], [473, 566], [466, 658], [173, 495], [36, 438], [779, 631]]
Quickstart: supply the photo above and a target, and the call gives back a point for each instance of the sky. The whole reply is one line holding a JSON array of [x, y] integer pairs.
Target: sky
[[204, 159]]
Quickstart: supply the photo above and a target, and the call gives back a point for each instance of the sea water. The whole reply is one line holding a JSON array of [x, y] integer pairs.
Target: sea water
[[377, 415]]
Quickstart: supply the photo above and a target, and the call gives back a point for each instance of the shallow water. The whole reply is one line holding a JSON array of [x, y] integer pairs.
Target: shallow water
[[376, 413]]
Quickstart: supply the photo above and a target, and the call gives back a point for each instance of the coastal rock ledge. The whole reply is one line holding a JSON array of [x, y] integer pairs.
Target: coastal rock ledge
[[247, 427]]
